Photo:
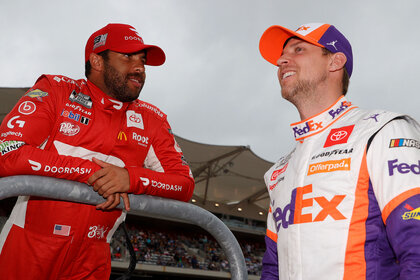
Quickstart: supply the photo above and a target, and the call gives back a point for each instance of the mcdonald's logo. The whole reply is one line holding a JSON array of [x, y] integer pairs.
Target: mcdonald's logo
[[121, 136]]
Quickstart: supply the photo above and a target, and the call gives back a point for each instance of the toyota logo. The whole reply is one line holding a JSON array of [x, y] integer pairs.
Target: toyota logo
[[339, 135]]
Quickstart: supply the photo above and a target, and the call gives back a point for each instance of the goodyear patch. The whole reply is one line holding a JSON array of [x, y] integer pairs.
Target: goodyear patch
[[38, 94]]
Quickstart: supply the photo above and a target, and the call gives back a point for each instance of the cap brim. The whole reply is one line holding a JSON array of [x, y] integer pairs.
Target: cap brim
[[155, 55], [273, 39]]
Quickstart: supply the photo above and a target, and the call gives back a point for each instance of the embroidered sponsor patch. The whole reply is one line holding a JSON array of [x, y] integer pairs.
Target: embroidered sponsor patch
[[152, 108], [14, 133], [412, 214], [122, 136], [27, 107], [36, 166], [338, 136], [402, 168], [300, 208], [332, 153], [403, 142], [97, 232], [329, 166], [146, 182], [309, 126], [37, 93], [335, 112], [69, 129], [81, 98], [14, 121], [273, 186], [99, 41], [141, 140], [74, 116], [277, 172], [134, 119], [9, 146]]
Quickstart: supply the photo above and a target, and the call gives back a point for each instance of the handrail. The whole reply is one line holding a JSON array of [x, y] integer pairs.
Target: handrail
[[78, 192]]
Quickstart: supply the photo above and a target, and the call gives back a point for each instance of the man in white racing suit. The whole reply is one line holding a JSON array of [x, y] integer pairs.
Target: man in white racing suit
[[345, 203]]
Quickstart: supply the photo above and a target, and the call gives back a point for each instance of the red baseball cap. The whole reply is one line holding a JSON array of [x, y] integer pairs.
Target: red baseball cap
[[122, 38], [319, 34]]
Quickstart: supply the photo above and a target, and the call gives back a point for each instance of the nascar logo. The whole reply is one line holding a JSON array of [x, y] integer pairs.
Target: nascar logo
[[403, 142]]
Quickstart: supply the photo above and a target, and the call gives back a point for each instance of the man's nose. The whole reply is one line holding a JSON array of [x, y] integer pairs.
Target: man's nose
[[139, 68], [283, 60], [139, 64]]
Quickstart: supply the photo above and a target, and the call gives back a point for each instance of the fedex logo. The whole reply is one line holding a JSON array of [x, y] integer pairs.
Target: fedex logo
[[288, 216], [336, 112], [402, 168], [309, 126]]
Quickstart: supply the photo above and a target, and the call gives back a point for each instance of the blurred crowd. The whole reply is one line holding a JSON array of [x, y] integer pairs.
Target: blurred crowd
[[181, 249]]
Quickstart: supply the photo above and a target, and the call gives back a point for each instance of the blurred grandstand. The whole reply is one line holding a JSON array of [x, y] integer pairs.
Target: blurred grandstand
[[229, 183]]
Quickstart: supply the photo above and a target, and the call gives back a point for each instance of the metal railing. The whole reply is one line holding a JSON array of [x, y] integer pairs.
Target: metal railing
[[78, 192]]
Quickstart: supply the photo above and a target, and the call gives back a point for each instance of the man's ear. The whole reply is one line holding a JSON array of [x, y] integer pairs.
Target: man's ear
[[338, 60], [96, 61]]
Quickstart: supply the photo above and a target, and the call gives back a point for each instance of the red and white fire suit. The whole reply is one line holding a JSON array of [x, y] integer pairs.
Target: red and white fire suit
[[55, 130], [345, 203]]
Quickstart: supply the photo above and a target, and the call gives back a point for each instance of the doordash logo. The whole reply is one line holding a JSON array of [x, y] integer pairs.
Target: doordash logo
[[287, 216]]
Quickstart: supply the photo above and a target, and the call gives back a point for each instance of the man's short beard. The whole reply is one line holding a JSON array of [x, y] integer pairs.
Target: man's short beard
[[303, 91], [117, 84]]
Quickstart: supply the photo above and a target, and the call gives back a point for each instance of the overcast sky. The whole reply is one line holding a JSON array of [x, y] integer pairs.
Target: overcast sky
[[215, 87]]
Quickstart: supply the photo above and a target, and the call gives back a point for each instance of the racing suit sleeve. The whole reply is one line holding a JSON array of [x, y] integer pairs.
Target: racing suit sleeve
[[165, 172], [24, 133], [270, 269], [393, 162]]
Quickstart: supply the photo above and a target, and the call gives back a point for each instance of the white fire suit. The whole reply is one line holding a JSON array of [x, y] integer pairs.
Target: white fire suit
[[345, 203]]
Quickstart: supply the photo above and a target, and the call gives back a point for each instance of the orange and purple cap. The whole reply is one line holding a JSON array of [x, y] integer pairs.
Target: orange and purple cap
[[122, 38], [319, 34]]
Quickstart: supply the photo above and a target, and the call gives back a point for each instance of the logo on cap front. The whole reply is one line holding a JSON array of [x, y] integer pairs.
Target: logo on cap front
[[308, 28], [99, 41], [136, 38]]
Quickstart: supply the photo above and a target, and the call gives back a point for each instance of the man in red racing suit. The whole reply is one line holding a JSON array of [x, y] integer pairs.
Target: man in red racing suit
[[92, 131]]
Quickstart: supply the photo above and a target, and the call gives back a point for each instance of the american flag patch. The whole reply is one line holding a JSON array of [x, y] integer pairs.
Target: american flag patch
[[62, 230]]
